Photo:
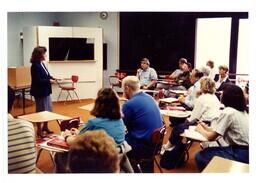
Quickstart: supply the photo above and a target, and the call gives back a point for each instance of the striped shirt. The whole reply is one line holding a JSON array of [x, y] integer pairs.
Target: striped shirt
[[21, 146]]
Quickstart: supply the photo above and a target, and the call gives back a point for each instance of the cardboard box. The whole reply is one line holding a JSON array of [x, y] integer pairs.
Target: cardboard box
[[19, 76]]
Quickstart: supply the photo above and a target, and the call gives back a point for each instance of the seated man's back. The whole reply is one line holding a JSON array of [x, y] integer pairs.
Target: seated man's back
[[141, 117]]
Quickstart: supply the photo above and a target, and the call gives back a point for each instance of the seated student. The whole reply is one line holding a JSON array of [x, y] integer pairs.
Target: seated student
[[108, 117], [210, 65], [178, 71], [232, 125], [93, 152], [21, 142], [141, 117], [107, 114], [221, 79], [246, 93], [188, 101], [206, 109], [147, 75], [183, 79]]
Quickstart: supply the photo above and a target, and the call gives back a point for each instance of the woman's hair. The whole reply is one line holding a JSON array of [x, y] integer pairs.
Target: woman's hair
[[132, 82], [38, 54], [207, 85], [93, 152], [210, 63], [146, 60], [107, 104], [198, 73], [182, 61], [233, 96], [223, 67]]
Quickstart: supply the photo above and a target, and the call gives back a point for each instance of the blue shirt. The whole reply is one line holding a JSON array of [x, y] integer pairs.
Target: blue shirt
[[114, 128], [141, 117], [147, 76]]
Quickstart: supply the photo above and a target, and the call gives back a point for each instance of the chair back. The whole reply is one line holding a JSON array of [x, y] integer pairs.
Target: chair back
[[157, 138], [69, 123], [74, 78]]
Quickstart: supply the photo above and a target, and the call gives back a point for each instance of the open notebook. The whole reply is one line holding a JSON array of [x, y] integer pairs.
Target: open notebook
[[192, 134]]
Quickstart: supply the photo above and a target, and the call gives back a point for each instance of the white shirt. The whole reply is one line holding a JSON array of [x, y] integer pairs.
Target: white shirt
[[219, 82], [233, 125], [212, 73], [190, 98], [206, 108]]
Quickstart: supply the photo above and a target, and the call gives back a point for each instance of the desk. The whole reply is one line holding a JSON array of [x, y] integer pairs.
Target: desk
[[190, 133], [42, 145], [43, 116], [87, 107], [22, 89], [175, 113], [179, 92], [222, 165], [168, 100]]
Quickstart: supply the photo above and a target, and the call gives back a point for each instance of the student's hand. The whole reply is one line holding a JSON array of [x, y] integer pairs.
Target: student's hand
[[181, 99], [66, 133], [199, 128], [74, 131], [138, 71], [53, 81], [145, 87]]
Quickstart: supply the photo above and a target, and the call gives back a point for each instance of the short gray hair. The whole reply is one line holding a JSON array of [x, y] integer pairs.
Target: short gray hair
[[205, 70], [132, 82]]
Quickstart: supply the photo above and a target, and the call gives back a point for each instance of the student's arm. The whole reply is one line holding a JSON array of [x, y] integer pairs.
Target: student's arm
[[207, 132]]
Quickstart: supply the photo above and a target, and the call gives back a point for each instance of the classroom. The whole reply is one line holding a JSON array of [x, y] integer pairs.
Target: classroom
[[128, 92]]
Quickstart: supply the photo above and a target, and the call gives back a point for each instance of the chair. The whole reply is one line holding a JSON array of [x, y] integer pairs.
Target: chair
[[116, 80], [157, 138], [68, 88], [67, 124]]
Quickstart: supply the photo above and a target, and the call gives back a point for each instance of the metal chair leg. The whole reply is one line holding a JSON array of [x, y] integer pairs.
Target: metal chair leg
[[59, 95], [76, 95], [38, 155]]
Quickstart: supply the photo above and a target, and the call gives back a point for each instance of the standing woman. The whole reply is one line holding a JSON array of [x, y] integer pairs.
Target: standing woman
[[41, 85]]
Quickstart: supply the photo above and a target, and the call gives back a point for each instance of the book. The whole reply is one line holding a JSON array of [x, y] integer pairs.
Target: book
[[193, 134], [59, 143]]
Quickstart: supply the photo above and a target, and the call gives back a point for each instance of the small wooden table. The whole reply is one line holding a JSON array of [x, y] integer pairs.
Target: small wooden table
[[43, 116], [222, 165], [22, 89]]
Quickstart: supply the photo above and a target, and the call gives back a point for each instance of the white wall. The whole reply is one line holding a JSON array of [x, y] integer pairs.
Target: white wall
[[212, 41], [16, 22], [110, 34]]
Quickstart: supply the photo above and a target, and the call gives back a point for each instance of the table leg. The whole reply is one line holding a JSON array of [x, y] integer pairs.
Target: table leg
[[23, 100]]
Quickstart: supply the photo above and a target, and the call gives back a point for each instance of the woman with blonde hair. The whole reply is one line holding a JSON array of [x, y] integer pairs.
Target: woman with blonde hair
[[206, 109]]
